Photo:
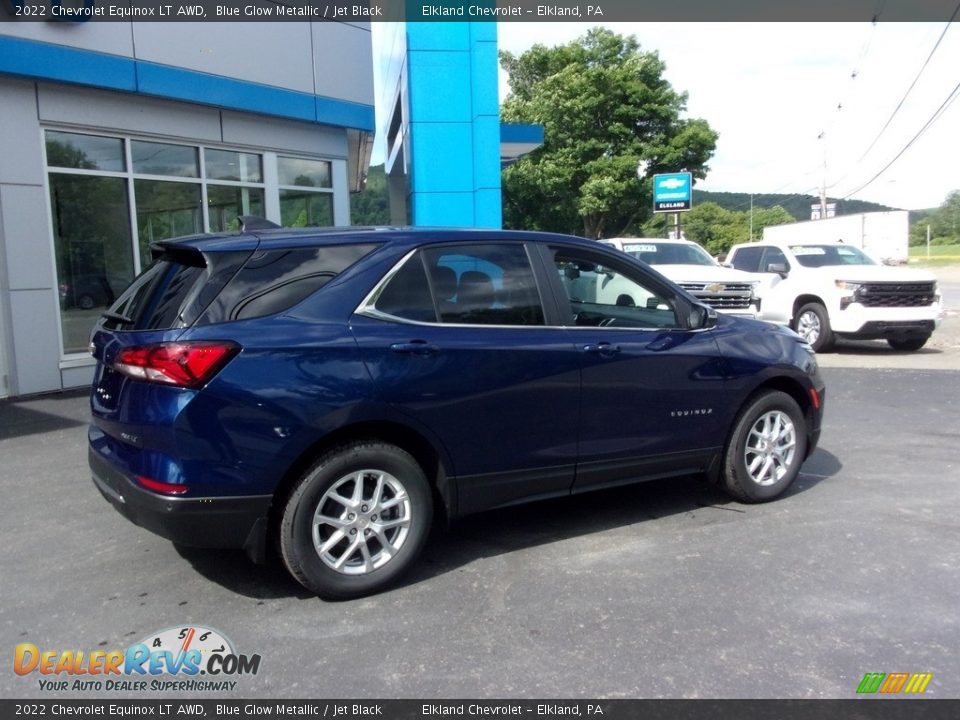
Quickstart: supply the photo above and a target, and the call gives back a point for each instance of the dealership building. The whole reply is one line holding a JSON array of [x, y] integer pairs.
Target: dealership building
[[116, 134]]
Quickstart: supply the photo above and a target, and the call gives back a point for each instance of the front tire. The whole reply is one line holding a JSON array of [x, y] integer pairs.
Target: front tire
[[766, 449], [356, 520], [812, 323], [907, 344]]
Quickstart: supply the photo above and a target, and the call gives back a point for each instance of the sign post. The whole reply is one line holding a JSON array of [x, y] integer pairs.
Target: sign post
[[673, 193]]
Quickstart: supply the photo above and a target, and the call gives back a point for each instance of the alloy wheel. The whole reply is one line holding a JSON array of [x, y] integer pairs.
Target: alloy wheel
[[808, 326], [770, 448], [361, 522]]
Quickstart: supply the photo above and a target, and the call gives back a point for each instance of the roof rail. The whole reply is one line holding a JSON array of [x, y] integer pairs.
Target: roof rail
[[255, 222]]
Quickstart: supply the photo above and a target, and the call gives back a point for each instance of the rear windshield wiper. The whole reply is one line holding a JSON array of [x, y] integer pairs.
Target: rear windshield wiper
[[116, 317]]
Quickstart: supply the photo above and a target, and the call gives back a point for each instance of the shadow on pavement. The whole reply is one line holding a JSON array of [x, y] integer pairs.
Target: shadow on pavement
[[43, 415], [878, 347], [517, 528], [233, 570]]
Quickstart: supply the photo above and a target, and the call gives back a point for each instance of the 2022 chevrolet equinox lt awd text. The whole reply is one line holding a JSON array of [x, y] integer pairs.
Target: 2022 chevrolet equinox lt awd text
[[332, 391]]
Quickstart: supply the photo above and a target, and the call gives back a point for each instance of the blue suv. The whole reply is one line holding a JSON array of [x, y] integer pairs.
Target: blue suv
[[330, 392]]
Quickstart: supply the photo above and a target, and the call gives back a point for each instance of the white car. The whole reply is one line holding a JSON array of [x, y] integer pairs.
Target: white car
[[691, 267], [829, 290]]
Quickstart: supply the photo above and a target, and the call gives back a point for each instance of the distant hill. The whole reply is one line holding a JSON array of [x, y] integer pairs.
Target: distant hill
[[796, 205]]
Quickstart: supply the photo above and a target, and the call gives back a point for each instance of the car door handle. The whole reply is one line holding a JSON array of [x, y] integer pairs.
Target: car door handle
[[415, 347], [604, 349]]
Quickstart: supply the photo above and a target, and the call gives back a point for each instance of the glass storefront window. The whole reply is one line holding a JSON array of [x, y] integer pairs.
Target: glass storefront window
[[225, 203], [229, 165], [166, 210], [161, 159], [301, 172], [91, 236], [112, 196], [85, 152], [305, 209]]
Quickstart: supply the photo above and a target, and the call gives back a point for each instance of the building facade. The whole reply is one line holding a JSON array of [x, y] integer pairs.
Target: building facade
[[440, 121], [116, 134]]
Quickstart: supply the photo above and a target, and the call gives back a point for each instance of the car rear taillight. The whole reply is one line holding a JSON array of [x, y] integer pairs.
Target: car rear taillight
[[184, 364], [162, 487]]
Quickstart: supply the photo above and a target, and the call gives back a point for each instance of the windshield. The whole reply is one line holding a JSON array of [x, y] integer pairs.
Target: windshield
[[654, 253], [828, 255]]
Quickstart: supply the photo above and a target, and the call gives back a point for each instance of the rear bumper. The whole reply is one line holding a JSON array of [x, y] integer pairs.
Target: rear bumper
[[213, 522]]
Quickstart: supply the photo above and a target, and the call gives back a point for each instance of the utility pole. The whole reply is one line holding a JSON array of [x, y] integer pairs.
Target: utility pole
[[823, 186], [928, 241], [751, 217]]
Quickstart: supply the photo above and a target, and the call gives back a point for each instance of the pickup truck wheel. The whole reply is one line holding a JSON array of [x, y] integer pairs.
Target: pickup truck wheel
[[813, 324], [907, 344], [766, 449], [356, 521]]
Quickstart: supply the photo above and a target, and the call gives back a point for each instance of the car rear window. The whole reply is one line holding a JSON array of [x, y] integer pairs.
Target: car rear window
[[173, 291], [184, 288]]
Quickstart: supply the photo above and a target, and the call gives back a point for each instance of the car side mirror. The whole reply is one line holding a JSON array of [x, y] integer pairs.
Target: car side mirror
[[778, 268], [701, 317]]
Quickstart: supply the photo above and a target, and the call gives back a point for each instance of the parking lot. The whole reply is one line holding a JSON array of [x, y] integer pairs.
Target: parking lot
[[666, 589]]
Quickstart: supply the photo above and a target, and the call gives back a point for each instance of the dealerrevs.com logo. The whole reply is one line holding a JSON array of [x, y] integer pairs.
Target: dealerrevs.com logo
[[170, 660]]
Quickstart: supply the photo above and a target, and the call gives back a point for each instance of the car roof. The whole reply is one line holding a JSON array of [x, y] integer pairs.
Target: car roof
[[788, 243], [308, 237], [665, 241]]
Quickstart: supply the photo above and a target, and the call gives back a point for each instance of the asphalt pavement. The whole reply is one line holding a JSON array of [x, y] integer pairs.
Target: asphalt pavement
[[666, 589]]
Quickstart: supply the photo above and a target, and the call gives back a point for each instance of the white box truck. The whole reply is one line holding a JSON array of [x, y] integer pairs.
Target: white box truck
[[884, 236]]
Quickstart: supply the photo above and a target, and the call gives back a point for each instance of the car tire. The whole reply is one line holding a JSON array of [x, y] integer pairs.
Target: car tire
[[812, 323], [86, 302], [766, 448], [342, 542], [907, 344]]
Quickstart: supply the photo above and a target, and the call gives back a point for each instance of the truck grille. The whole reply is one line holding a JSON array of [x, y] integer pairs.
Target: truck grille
[[896, 294], [721, 296]]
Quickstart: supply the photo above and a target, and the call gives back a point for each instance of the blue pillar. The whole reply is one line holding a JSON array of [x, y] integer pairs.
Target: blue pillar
[[454, 124]]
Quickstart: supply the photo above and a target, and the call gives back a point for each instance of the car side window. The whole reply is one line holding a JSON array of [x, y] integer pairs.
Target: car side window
[[604, 296], [274, 280], [484, 284], [407, 294], [775, 261], [466, 284], [747, 259]]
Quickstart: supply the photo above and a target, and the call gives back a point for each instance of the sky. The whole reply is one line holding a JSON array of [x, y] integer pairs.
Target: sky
[[772, 89]]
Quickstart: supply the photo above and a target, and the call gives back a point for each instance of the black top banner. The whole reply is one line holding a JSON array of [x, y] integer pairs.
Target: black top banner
[[476, 10]]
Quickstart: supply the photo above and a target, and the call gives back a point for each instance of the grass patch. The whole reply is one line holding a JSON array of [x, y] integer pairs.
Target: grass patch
[[939, 255]]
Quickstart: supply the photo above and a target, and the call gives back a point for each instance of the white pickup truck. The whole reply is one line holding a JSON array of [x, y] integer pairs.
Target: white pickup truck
[[825, 290], [691, 267]]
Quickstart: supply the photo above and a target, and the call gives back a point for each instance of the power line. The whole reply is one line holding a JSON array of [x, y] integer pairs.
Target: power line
[[951, 97], [909, 89]]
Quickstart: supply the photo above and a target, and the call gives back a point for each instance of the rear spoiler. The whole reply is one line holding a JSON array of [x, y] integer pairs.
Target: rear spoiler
[[189, 250]]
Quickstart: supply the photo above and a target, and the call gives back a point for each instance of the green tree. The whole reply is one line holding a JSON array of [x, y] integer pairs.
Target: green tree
[[605, 106], [372, 206], [714, 228], [944, 223], [718, 229]]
